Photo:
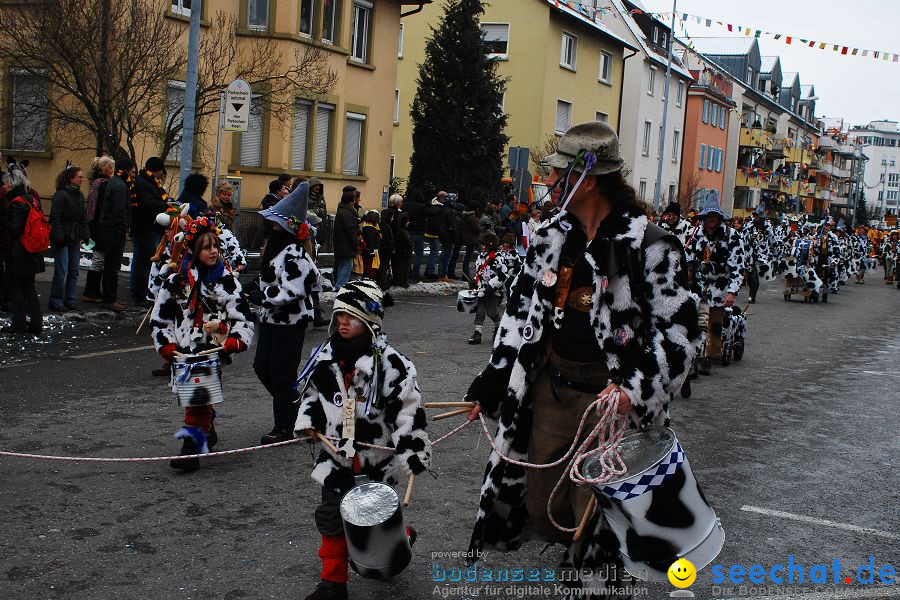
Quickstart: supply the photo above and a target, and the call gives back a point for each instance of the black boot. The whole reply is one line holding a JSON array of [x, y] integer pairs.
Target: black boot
[[277, 434], [186, 464], [212, 438], [705, 366], [686, 388], [92, 287], [476, 338], [329, 590]]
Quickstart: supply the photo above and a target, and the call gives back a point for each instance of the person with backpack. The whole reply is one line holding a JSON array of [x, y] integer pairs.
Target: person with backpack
[[68, 228], [29, 236], [600, 308]]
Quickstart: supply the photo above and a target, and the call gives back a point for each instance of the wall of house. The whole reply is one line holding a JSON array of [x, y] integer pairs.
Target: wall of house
[[711, 136]]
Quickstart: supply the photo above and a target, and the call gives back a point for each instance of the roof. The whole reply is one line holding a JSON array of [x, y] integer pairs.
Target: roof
[[768, 64], [789, 78], [596, 23], [724, 46], [653, 55], [807, 90]]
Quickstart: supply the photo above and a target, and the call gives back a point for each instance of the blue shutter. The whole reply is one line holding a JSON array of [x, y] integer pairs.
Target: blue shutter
[[702, 154]]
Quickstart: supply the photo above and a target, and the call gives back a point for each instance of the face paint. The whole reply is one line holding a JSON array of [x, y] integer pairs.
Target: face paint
[[350, 327]]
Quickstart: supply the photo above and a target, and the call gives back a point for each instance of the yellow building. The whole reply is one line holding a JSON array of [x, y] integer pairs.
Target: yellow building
[[344, 138], [564, 67]]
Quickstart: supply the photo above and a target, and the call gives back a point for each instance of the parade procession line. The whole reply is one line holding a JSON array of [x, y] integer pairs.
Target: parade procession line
[[817, 521]]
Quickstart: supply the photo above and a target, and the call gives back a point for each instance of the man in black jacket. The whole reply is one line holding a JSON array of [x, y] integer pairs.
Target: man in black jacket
[[115, 216], [346, 236], [150, 199], [417, 210]]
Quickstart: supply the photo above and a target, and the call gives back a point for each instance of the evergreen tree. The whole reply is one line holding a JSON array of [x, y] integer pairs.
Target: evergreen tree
[[458, 139], [862, 210]]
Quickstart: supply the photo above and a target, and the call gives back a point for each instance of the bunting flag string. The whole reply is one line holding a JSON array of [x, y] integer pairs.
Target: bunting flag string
[[841, 49]]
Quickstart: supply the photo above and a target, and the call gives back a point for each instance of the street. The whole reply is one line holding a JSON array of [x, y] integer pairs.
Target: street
[[795, 447]]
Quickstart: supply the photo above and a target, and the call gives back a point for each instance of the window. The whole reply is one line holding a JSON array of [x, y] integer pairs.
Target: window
[[391, 170], [362, 12], [751, 74], [673, 194], [181, 7], [893, 179], [679, 94], [563, 116], [258, 15], [400, 43], [29, 111], [307, 13], [709, 158], [353, 138], [714, 115], [642, 189], [705, 111], [396, 107], [496, 39], [252, 140], [676, 145], [605, 67], [645, 147], [568, 51], [702, 155], [656, 35], [324, 114], [723, 114], [602, 117], [175, 115], [299, 143], [329, 21], [651, 84], [662, 40]]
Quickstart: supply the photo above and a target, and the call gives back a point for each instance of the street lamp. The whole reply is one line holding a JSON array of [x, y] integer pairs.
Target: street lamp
[[884, 163]]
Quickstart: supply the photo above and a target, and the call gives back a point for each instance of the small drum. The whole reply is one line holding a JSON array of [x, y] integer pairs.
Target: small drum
[[376, 535], [656, 509], [197, 380], [466, 301]]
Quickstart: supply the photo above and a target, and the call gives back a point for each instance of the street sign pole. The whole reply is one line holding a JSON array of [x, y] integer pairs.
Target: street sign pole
[[219, 137], [190, 99]]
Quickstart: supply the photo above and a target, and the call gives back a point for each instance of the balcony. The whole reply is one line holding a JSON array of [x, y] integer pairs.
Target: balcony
[[756, 138], [793, 153], [751, 178], [839, 172], [808, 189], [823, 193]]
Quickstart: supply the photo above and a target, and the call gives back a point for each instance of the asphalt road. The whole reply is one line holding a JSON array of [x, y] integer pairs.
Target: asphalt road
[[796, 447]]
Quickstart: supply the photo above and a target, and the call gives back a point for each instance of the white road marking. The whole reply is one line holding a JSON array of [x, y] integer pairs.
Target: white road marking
[[24, 364], [868, 592], [425, 304], [817, 521], [880, 373], [116, 351]]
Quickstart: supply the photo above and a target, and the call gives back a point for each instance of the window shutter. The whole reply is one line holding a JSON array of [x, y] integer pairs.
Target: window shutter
[[563, 113], [251, 140], [301, 131], [323, 130], [702, 154], [352, 142]]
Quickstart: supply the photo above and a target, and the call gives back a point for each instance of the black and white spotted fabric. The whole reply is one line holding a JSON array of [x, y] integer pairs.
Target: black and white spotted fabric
[[223, 299], [395, 420], [648, 351], [718, 259], [287, 284], [492, 274]]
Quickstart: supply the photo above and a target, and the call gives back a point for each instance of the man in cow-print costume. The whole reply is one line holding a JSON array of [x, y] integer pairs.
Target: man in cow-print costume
[[760, 239], [827, 257], [199, 307], [284, 289], [356, 365], [673, 223], [716, 259], [601, 305]]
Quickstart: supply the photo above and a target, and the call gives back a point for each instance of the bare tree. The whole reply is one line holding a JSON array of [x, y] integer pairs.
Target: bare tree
[[260, 62], [688, 191], [100, 71], [538, 154], [100, 62]]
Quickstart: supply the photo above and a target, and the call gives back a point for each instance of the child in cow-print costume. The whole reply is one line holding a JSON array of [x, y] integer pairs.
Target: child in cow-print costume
[[490, 284], [284, 289], [357, 365], [200, 307]]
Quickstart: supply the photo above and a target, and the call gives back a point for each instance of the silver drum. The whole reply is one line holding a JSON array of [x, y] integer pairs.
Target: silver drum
[[376, 535], [197, 380]]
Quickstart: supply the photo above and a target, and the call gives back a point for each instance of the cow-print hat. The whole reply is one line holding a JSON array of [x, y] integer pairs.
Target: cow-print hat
[[362, 299]]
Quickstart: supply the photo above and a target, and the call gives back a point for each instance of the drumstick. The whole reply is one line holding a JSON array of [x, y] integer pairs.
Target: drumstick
[[210, 351], [408, 495], [144, 320], [179, 354], [585, 518], [452, 413], [449, 405], [326, 442]]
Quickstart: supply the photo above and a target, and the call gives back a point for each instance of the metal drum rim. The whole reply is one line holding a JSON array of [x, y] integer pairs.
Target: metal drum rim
[[630, 474]]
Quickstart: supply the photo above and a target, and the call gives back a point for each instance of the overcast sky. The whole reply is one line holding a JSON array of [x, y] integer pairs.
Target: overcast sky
[[859, 89]]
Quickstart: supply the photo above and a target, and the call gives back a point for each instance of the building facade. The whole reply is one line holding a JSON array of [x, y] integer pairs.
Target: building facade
[[343, 138], [880, 141], [564, 66]]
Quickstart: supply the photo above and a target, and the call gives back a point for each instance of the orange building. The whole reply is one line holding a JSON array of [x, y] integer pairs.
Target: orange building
[[707, 116]]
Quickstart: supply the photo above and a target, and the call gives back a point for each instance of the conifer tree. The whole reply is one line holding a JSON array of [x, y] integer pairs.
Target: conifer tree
[[458, 123]]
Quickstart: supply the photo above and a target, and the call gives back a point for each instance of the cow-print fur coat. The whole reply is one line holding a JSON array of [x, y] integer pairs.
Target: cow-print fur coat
[[647, 354], [491, 274], [717, 261], [173, 321], [395, 420], [287, 284], [682, 229], [232, 253]]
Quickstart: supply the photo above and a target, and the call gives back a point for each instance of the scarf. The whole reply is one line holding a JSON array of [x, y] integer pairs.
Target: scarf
[[159, 186], [483, 266], [128, 179], [208, 275], [347, 352]]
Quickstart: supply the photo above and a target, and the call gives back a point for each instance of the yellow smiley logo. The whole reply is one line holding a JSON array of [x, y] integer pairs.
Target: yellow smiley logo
[[682, 573]]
